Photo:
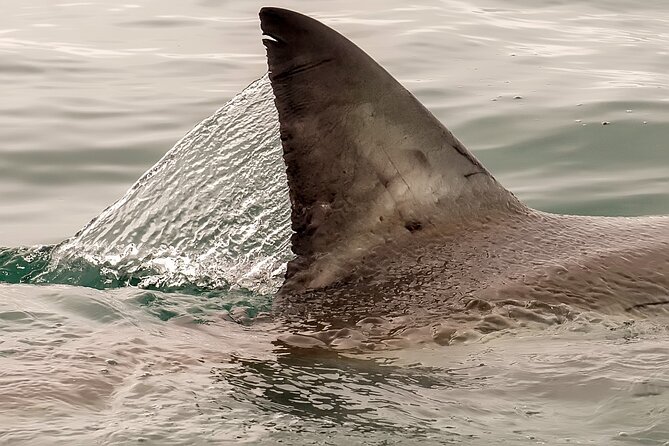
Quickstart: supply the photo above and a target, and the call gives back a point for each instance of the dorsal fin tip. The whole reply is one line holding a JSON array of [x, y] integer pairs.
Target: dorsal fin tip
[[366, 162]]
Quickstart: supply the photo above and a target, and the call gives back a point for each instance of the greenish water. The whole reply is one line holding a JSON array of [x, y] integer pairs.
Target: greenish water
[[138, 328]]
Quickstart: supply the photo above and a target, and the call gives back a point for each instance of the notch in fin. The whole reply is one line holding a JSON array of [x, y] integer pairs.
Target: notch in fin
[[366, 162]]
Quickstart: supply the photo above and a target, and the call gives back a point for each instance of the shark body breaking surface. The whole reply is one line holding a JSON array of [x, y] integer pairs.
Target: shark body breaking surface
[[394, 217]]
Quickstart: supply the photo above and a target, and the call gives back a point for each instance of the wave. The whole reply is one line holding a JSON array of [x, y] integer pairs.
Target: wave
[[212, 214]]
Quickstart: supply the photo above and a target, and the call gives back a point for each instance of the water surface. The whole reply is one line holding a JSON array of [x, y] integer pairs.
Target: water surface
[[137, 329]]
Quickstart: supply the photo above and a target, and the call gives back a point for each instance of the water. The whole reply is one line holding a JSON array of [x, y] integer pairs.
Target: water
[[95, 94]]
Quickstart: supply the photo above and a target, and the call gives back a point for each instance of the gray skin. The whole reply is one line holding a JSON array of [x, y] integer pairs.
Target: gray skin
[[393, 216]]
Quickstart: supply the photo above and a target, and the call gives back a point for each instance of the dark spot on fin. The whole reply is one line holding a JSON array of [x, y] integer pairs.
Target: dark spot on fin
[[413, 226], [421, 159]]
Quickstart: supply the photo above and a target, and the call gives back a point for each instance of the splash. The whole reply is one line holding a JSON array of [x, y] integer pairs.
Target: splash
[[213, 213]]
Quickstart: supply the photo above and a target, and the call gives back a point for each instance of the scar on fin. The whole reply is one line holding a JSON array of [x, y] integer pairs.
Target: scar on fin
[[467, 175], [302, 68], [647, 304]]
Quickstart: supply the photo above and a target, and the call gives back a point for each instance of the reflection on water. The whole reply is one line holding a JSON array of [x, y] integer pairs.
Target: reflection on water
[[333, 389]]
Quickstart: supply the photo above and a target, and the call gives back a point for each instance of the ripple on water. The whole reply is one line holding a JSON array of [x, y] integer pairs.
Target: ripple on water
[[141, 365], [98, 361]]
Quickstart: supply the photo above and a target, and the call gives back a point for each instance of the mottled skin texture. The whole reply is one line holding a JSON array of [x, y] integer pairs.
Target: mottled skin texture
[[610, 265], [394, 217]]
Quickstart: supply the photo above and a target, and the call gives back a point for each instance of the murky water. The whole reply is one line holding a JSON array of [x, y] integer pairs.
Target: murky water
[[136, 330]]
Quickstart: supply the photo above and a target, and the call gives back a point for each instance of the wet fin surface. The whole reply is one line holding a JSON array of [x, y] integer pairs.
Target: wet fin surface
[[366, 162]]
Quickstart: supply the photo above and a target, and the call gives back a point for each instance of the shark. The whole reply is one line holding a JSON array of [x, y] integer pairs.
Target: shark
[[394, 219]]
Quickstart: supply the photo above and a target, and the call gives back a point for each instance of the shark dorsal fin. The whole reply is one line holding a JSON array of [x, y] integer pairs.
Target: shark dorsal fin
[[366, 162]]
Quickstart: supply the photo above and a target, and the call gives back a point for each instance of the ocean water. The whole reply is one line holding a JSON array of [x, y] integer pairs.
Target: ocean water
[[122, 124]]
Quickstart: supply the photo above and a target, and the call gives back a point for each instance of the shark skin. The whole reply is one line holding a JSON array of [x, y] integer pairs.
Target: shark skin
[[394, 219]]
